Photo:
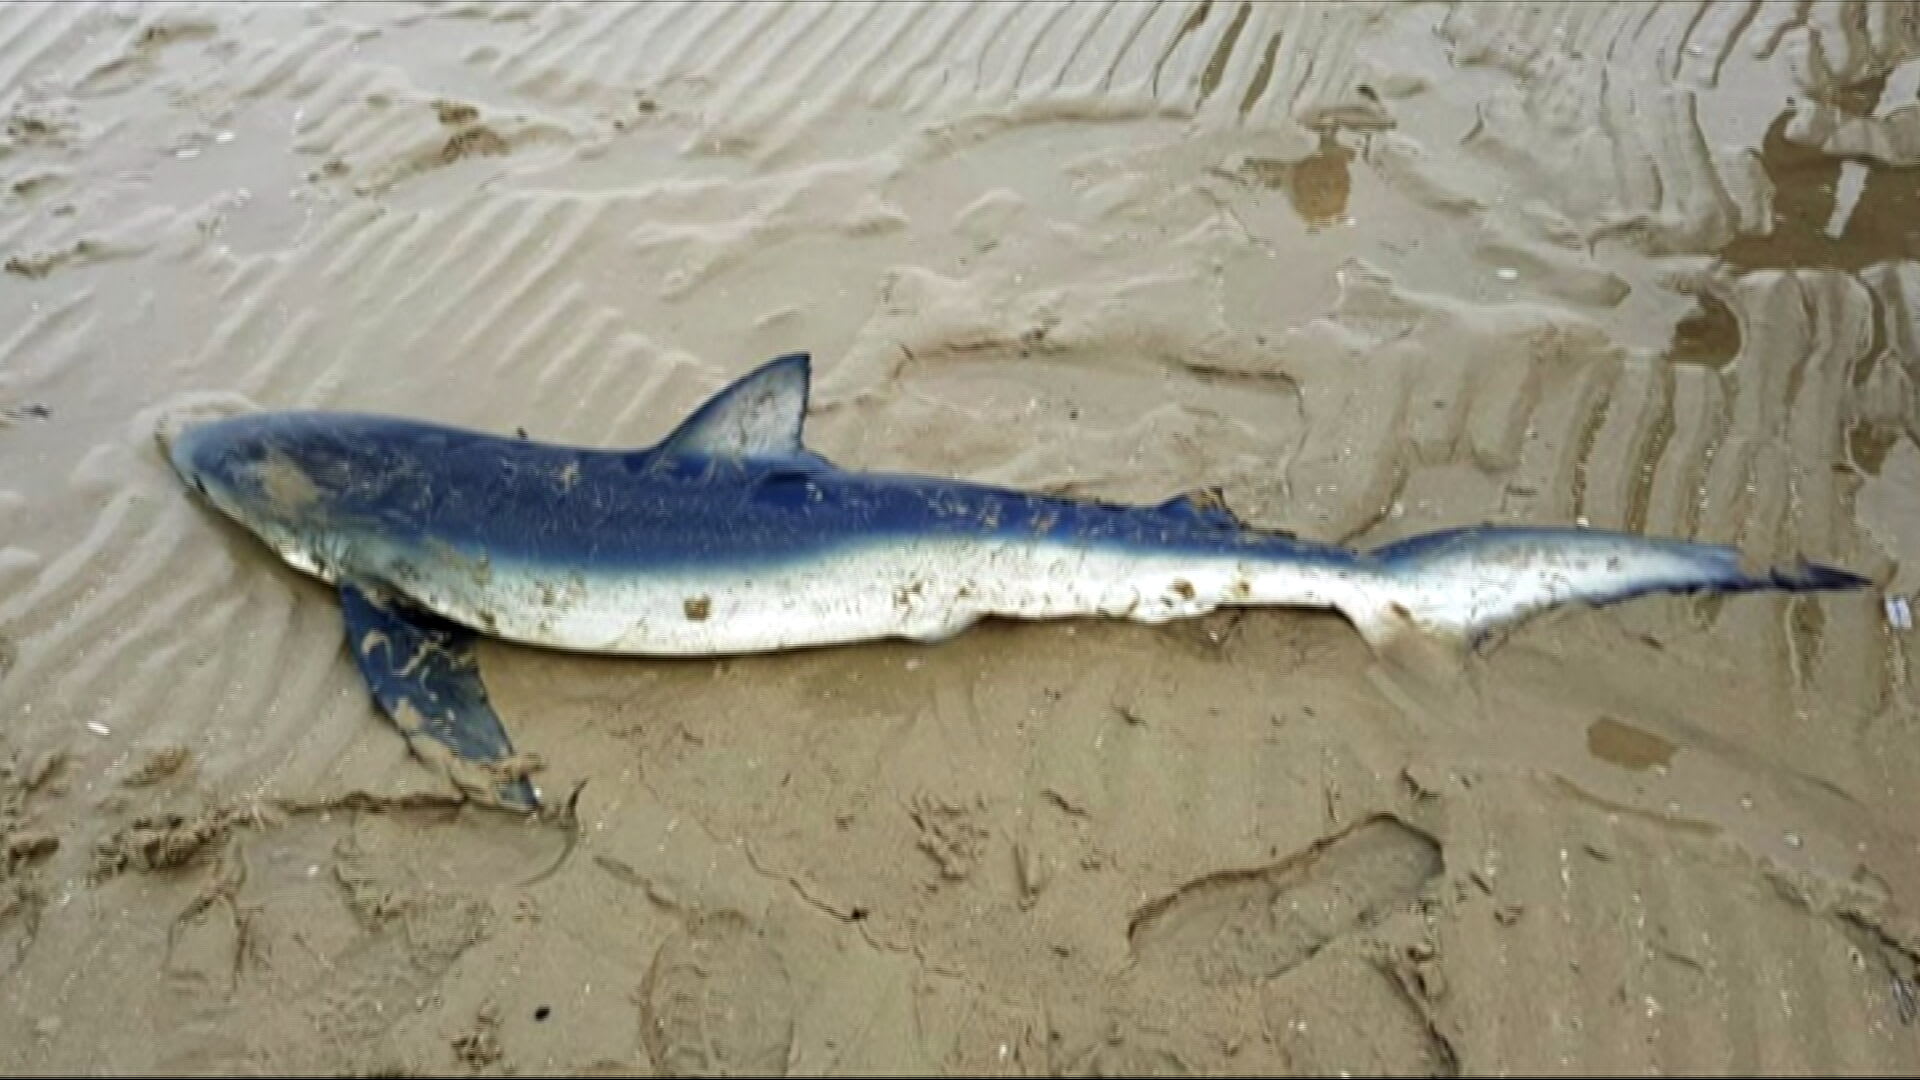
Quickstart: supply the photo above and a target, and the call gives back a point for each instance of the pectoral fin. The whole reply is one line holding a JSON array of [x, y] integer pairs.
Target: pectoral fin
[[425, 673]]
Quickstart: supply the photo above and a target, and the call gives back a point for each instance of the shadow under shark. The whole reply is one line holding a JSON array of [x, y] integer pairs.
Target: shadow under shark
[[729, 536]]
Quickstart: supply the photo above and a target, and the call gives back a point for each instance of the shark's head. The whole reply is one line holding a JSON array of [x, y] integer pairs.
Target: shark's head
[[268, 472]]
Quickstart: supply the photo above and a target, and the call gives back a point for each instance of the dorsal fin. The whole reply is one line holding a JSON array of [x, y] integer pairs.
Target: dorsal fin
[[1208, 506], [759, 416]]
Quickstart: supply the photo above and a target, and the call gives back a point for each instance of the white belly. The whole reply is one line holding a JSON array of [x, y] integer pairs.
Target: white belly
[[926, 590]]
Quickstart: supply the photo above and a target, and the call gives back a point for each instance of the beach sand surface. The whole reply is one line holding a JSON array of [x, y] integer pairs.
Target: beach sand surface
[[1371, 269]]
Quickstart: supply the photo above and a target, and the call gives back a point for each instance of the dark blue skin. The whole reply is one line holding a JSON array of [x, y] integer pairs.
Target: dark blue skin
[[577, 508], [574, 508]]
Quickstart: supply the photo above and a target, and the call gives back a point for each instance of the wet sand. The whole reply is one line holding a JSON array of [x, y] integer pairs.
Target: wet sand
[[1371, 269]]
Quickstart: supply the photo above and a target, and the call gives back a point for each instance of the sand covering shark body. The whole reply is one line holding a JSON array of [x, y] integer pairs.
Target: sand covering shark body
[[730, 537]]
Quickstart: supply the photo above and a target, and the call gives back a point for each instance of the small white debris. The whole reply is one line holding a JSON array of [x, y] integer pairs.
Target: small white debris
[[223, 137], [1507, 273], [913, 664], [1793, 840], [1899, 613], [186, 152], [98, 728]]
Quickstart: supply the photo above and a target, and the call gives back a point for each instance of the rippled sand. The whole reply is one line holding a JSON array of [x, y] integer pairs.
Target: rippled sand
[[1373, 269]]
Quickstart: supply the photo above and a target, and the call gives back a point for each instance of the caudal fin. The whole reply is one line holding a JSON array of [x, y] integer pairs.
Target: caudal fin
[[1469, 583]]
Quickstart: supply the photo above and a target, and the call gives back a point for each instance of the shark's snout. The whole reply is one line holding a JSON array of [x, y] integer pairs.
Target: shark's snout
[[168, 429], [178, 421]]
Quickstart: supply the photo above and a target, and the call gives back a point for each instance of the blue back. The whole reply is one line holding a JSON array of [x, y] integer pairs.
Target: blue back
[[657, 508]]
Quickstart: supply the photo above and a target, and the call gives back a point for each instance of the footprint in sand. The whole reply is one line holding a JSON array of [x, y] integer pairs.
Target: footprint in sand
[[717, 1002], [1294, 933], [1256, 924]]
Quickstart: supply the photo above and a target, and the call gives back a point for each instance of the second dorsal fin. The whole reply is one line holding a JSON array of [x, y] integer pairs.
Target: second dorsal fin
[[1208, 506], [760, 415]]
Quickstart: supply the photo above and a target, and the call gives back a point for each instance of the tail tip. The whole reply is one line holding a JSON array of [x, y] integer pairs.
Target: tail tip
[[1811, 576]]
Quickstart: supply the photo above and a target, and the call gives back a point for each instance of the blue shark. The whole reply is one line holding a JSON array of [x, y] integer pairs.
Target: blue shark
[[729, 536]]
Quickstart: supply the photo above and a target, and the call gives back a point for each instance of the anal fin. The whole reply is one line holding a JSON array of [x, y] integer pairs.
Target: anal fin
[[425, 673]]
